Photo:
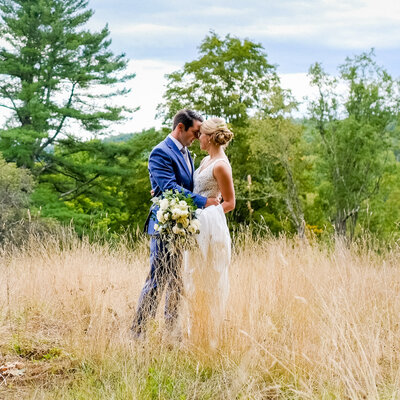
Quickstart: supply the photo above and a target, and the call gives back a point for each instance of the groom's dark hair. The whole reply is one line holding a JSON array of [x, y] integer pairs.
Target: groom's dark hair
[[186, 117]]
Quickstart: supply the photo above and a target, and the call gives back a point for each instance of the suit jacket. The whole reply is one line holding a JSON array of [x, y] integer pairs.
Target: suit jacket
[[168, 170]]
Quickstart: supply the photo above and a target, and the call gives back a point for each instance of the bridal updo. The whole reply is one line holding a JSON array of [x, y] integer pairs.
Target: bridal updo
[[218, 131]]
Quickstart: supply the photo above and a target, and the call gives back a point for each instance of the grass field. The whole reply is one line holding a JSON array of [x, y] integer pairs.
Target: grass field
[[303, 322]]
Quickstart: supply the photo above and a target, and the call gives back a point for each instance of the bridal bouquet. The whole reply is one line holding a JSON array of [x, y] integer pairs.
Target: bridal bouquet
[[176, 217]]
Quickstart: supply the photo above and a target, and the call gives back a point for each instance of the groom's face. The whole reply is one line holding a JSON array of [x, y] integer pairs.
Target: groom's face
[[187, 137]]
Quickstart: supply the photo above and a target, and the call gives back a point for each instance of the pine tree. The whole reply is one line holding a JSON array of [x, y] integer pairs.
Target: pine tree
[[55, 78]]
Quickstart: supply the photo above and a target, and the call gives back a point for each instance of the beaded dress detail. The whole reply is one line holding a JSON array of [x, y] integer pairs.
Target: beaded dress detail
[[204, 182]]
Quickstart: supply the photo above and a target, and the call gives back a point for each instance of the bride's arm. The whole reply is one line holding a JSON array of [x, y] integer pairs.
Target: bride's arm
[[223, 175]]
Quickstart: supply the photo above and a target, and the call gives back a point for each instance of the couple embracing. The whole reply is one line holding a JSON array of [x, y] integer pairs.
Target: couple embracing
[[201, 277]]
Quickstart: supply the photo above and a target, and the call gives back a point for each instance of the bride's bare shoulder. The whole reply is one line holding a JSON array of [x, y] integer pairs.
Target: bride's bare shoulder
[[222, 163], [222, 169]]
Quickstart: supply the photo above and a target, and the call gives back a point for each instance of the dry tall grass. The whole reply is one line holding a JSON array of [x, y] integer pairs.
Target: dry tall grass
[[302, 322]]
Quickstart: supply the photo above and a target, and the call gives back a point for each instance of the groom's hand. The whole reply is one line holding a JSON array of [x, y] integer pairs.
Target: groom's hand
[[212, 201]]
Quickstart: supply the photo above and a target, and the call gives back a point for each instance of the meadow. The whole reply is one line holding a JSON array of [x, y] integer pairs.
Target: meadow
[[304, 321]]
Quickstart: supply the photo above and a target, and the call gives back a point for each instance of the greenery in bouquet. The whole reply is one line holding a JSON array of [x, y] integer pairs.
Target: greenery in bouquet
[[176, 218]]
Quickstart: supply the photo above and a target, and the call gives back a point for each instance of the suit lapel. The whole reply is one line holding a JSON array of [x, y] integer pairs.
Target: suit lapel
[[179, 155]]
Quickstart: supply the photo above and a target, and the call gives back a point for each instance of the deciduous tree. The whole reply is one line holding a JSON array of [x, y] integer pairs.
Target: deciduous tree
[[230, 78], [351, 116]]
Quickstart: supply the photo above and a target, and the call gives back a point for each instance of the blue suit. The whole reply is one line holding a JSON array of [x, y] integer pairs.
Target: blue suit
[[168, 170]]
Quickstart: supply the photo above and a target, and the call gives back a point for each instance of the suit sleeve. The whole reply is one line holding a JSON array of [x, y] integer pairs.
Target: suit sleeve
[[160, 167]]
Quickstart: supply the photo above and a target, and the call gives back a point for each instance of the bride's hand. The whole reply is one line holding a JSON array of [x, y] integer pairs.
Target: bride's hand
[[152, 192], [212, 201]]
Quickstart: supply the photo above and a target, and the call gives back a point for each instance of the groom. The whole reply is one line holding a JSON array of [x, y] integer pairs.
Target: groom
[[170, 167]]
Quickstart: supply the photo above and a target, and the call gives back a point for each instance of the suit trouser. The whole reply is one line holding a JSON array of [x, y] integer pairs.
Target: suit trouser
[[165, 271]]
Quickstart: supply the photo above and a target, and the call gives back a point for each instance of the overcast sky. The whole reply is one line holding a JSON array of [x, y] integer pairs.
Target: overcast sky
[[160, 36]]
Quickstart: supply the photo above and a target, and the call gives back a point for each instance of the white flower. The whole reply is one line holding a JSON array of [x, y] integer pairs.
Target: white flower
[[155, 200], [176, 213], [160, 216], [183, 206], [178, 231], [164, 203], [184, 211], [179, 213], [183, 214], [194, 225]]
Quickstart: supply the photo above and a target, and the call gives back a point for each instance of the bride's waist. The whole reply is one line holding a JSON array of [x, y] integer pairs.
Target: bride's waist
[[208, 193]]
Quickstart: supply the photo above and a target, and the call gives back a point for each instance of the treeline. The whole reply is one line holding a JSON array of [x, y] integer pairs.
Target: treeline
[[337, 171]]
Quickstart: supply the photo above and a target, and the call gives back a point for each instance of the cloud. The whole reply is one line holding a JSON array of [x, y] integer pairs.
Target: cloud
[[147, 89], [299, 85], [339, 24], [295, 33], [148, 29], [219, 11], [149, 85], [309, 29]]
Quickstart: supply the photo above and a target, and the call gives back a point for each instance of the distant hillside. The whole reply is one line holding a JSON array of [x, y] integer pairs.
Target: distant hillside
[[124, 137]]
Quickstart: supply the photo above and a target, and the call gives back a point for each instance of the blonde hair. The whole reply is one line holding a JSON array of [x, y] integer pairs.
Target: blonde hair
[[218, 131]]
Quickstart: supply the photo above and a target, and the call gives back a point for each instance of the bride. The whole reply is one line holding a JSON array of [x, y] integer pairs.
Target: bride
[[206, 270]]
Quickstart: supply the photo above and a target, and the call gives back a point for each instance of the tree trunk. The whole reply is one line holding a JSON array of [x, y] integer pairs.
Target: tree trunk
[[340, 226], [293, 203]]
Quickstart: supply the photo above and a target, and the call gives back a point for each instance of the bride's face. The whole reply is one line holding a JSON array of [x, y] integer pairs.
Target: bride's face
[[204, 141]]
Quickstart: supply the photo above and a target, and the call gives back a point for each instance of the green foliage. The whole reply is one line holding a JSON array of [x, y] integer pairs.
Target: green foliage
[[229, 78], [351, 135], [35, 350], [16, 184], [269, 170], [18, 219], [102, 187], [136, 185], [381, 214], [50, 69], [46, 201], [340, 168], [86, 178]]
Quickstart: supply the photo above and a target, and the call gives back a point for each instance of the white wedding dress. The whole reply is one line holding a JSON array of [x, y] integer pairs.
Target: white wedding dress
[[206, 269]]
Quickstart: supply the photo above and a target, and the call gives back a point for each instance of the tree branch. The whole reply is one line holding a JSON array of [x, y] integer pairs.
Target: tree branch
[[10, 108], [51, 139], [79, 186], [15, 108]]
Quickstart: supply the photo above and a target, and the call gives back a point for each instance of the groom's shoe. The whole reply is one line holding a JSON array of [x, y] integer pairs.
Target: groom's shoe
[[172, 340], [173, 333], [137, 334]]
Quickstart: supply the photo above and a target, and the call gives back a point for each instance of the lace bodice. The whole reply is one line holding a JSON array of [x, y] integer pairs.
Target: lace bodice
[[204, 182]]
